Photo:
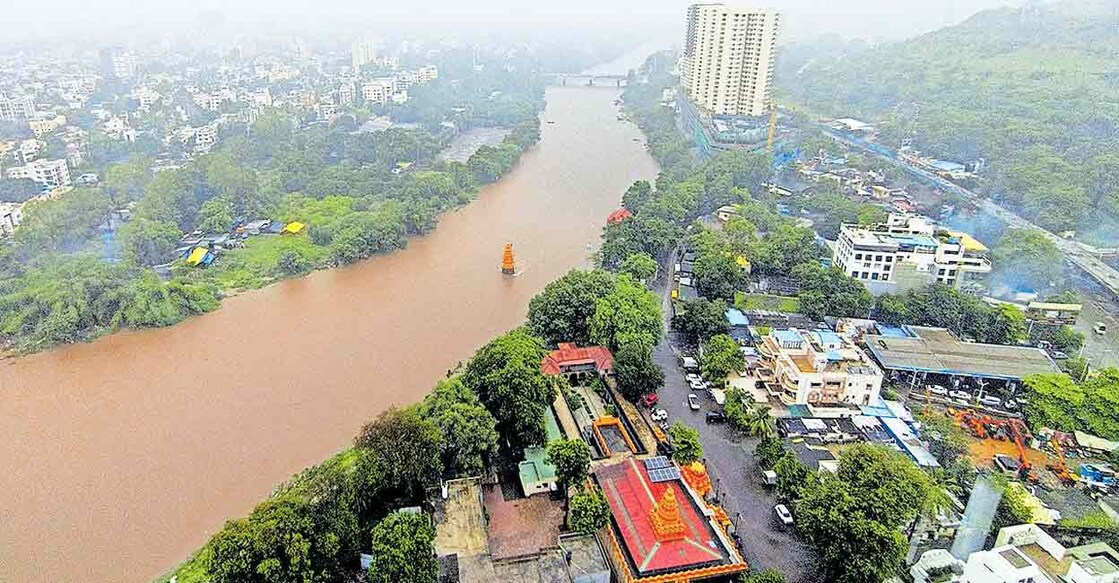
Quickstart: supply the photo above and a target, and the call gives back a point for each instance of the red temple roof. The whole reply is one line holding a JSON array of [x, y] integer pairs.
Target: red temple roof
[[570, 355], [634, 499], [618, 216]]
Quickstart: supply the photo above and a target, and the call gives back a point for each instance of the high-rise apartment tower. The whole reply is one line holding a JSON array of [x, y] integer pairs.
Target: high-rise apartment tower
[[727, 66]]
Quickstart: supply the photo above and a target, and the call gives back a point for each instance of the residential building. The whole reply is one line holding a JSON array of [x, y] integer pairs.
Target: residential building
[[727, 64], [117, 63], [427, 74], [45, 124], [378, 90], [147, 97], [29, 150], [909, 251], [345, 94], [1022, 553], [817, 367], [362, 52], [11, 216], [49, 173], [17, 107]]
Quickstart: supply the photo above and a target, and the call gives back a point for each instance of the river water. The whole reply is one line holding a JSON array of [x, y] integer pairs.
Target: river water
[[123, 455]]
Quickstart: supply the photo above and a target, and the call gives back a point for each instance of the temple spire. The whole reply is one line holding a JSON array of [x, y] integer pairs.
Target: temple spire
[[665, 518], [508, 265]]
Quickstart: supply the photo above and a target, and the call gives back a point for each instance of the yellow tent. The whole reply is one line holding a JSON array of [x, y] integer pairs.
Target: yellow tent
[[196, 256], [293, 228]]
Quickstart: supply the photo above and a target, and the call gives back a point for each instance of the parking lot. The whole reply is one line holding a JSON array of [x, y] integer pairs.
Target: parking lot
[[737, 479]]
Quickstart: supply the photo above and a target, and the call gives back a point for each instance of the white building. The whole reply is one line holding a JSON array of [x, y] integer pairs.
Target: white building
[[345, 94], [727, 64], [147, 97], [427, 74], [13, 108], [817, 367], [1023, 553], [378, 90], [909, 251], [362, 53], [11, 216], [29, 150], [49, 173]]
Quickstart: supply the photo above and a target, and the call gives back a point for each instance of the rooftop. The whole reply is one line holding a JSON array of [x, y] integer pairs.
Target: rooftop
[[635, 499], [568, 354], [936, 350]]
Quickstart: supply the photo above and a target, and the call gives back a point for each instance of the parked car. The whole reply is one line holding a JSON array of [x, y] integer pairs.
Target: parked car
[[649, 400], [783, 514], [659, 415], [1011, 405], [693, 378], [699, 386], [1100, 328], [716, 417], [961, 395], [938, 390], [693, 402], [991, 401], [1058, 355], [769, 477]]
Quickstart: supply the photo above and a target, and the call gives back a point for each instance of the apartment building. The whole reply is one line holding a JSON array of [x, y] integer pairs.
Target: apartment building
[[427, 74], [378, 90], [727, 64], [817, 367], [44, 124], [28, 150], [18, 107], [909, 251], [11, 216], [49, 173], [362, 52]]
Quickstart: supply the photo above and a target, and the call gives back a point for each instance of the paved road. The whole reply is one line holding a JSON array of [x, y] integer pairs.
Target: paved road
[[730, 462]]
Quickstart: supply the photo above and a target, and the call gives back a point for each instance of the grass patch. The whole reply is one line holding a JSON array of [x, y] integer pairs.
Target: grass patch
[[788, 304], [259, 262]]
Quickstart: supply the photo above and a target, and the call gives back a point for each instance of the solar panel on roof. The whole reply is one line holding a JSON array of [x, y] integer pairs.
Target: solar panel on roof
[[657, 462], [664, 475]]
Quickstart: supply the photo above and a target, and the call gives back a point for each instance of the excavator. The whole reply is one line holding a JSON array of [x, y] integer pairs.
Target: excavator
[[1060, 467], [987, 427]]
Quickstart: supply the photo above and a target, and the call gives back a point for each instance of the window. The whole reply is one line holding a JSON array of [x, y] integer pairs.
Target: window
[[874, 276], [878, 258], [889, 258], [858, 256]]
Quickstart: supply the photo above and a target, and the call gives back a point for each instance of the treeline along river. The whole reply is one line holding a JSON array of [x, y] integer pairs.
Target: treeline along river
[[122, 455]]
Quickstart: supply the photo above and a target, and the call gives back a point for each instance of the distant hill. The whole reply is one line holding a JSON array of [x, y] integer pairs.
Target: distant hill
[[1035, 91]]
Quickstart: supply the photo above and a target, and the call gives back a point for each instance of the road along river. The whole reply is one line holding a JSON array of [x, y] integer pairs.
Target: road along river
[[123, 455]]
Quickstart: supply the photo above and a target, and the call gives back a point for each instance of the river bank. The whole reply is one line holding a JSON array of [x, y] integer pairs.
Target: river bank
[[127, 452]]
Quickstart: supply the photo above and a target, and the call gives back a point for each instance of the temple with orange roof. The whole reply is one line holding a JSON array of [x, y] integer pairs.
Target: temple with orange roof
[[661, 531], [577, 363], [618, 216]]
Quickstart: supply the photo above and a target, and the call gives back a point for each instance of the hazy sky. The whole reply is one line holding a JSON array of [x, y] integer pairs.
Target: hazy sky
[[870, 19]]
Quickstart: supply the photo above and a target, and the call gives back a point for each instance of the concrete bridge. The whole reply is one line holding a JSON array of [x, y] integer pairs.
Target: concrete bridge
[[585, 80]]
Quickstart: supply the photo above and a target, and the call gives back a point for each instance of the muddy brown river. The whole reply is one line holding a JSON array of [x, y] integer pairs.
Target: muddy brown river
[[123, 455]]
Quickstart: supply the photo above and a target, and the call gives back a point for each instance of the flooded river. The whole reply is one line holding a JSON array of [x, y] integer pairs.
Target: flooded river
[[122, 456]]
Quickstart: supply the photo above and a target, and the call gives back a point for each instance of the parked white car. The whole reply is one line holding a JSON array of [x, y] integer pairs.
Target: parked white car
[[693, 378], [783, 514], [961, 395], [938, 390], [991, 401], [693, 402], [659, 415]]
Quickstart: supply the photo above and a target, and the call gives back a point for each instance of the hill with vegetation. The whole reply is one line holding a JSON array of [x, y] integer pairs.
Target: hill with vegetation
[[1034, 91]]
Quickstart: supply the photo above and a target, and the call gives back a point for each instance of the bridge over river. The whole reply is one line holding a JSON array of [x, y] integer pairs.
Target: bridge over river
[[587, 80]]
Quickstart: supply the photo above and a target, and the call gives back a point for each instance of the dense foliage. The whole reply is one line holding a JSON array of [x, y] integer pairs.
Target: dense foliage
[[686, 447], [505, 374], [561, 313], [590, 512], [942, 306], [1030, 91], [721, 356], [404, 549], [1058, 402]]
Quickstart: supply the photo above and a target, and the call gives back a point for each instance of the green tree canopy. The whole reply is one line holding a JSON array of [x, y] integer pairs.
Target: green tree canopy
[[405, 447], [685, 443], [639, 266], [830, 292], [636, 373], [630, 313], [721, 356], [505, 374], [589, 512], [469, 430], [572, 460], [561, 312], [703, 319], [145, 242], [1027, 258], [404, 549]]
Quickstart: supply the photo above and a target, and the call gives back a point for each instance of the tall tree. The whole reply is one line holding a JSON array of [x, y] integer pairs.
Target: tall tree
[[145, 242], [404, 550], [685, 443], [703, 319], [721, 356], [561, 312], [630, 313], [469, 430], [405, 447], [636, 373], [505, 374], [572, 460], [589, 512]]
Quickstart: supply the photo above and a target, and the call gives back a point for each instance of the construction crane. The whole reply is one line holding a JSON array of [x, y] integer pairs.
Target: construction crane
[[1060, 467]]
